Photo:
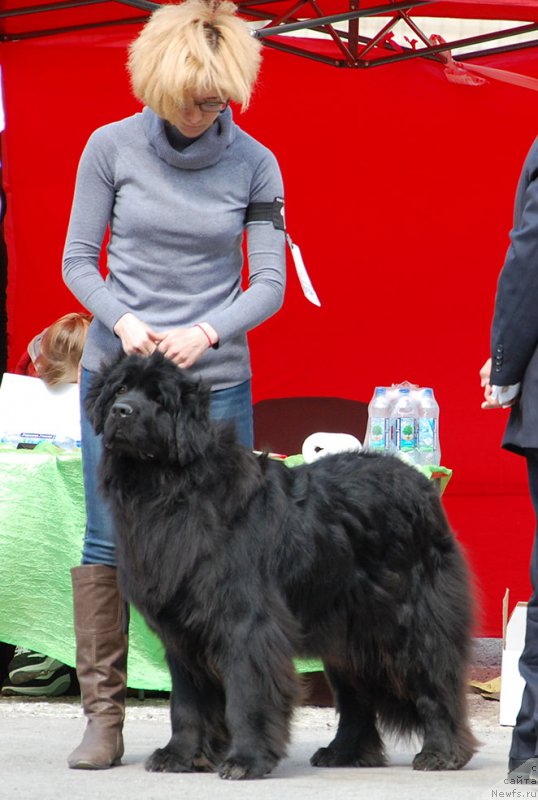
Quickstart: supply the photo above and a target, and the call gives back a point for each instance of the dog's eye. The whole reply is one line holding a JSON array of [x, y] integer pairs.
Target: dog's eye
[[122, 390]]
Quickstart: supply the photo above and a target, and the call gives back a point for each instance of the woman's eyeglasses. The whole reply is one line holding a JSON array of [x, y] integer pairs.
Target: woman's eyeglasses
[[213, 105]]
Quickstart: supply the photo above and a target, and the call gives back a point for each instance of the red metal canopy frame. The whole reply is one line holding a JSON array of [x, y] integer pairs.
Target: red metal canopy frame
[[338, 22]]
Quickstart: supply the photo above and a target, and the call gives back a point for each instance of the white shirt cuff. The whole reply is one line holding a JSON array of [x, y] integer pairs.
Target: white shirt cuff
[[505, 395]]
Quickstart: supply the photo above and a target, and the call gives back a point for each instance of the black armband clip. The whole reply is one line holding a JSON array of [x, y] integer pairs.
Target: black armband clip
[[267, 212]]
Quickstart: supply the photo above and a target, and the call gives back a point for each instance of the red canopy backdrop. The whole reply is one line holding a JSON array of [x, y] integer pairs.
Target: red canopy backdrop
[[399, 187]]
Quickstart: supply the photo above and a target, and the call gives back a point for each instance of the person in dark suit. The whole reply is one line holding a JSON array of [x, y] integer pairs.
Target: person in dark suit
[[510, 379]]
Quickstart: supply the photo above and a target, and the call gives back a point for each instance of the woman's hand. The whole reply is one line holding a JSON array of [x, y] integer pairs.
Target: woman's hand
[[136, 337], [184, 346]]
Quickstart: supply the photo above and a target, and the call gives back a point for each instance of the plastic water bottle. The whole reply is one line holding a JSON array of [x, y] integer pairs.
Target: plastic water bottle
[[378, 429], [404, 418], [429, 451]]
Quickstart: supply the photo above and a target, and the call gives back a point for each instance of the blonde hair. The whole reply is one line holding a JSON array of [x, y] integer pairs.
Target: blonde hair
[[61, 349], [195, 48]]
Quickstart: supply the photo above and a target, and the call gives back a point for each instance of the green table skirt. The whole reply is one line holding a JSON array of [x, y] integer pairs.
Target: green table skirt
[[41, 532], [42, 522]]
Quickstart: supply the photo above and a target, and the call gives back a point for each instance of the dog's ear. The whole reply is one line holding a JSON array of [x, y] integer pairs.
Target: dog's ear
[[193, 426], [101, 393]]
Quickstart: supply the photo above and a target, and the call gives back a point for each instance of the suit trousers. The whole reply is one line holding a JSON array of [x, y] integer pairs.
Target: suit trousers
[[525, 734]]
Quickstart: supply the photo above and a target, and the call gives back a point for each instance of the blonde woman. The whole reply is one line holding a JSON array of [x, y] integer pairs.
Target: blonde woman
[[177, 185]]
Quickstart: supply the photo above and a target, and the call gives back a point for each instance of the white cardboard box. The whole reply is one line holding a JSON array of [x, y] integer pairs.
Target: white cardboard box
[[512, 683]]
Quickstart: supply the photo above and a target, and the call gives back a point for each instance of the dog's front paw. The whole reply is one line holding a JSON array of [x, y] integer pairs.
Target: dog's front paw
[[433, 761], [166, 760], [239, 768], [330, 757]]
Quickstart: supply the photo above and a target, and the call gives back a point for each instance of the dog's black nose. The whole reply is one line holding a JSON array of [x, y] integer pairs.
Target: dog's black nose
[[120, 409]]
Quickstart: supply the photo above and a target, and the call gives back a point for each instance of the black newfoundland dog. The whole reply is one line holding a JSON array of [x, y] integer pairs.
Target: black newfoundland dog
[[240, 563]]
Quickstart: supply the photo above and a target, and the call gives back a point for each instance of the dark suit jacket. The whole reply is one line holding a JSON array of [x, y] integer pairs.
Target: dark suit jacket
[[514, 332]]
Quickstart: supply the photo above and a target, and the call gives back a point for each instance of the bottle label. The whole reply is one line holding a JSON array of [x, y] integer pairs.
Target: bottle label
[[404, 433], [379, 433], [426, 434]]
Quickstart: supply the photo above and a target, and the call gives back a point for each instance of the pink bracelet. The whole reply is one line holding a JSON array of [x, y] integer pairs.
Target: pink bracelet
[[197, 325]]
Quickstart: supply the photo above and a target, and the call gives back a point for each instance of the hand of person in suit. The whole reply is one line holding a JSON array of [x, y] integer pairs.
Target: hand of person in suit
[[485, 373], [496, 396]]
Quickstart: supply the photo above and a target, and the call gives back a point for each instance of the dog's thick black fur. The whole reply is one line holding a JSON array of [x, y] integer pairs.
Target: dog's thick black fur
[[240, 563]]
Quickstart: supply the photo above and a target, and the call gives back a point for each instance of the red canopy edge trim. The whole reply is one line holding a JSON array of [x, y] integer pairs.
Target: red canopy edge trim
[[519, 10], [509, 10]]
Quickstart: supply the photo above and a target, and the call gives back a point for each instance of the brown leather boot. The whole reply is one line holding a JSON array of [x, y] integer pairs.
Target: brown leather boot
[[101, 665]]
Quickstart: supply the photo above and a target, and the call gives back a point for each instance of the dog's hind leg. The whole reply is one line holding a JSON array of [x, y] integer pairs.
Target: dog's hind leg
[[357, 742], [199, 737], [448, 742]]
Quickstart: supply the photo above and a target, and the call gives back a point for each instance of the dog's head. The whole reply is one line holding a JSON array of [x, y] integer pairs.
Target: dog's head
[[148, 408]]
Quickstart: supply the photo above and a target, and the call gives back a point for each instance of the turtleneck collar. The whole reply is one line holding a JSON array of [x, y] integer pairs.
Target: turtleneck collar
[[203, 152]]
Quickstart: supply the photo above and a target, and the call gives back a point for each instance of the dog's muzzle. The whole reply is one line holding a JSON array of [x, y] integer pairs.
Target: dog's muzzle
[[125, 430]]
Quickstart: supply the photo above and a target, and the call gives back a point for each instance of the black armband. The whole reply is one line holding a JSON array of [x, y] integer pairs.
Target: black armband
[[267, 212]]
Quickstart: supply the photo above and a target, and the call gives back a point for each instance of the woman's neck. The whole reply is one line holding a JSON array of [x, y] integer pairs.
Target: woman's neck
[[176, 139]]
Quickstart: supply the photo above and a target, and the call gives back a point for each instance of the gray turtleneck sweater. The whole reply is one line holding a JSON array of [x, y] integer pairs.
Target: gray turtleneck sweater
[[176, 217]]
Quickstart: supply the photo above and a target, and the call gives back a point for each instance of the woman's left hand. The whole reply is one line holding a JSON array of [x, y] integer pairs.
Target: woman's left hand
[[184, 346]]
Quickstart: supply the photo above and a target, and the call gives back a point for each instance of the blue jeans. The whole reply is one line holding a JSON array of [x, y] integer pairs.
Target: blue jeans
[[234, 404]]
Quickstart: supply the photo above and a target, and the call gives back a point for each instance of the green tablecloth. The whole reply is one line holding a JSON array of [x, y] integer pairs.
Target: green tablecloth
[[441, 475], [41, 533]]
